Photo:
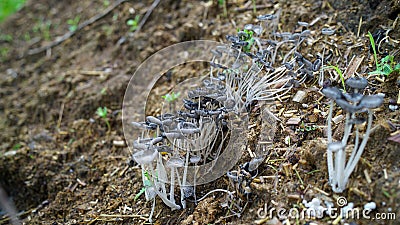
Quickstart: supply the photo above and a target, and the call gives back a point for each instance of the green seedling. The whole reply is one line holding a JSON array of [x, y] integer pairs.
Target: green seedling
[[147, 183], [102, 112], [248, 38], [73, 23], [171, 97], [8, 7], [103, 91], [106, 3], [387, 65], [6, 37], [133, 23], [222, 4], [254, 6], [43, 28], [340, 74], [16, 146]]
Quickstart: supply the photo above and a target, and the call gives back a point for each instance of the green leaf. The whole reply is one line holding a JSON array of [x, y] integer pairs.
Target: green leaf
[[340, 74], [371, 39], [102, 112], [397, 67], [140, 193], [387, 69]]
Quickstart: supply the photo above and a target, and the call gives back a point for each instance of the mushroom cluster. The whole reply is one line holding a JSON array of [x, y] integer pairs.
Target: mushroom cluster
[[168, 144], [248, 70], [353, 104], [248, 64]]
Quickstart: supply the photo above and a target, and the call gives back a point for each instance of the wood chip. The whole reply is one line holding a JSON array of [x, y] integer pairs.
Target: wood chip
[[300, 96], [119, 143], [293, 121], [338, 119]]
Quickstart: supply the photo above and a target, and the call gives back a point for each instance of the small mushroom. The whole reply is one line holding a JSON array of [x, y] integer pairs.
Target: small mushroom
[[327, 31], [233, 175], [335, 146], [357, 82], [154, 120], [347, 106], [371, 101], [156, 140], [266, 17], [257, 29], [172, 135], [144, 156], [188, 128], [353, 97], [332, 93], [195, 159], [175, 162]]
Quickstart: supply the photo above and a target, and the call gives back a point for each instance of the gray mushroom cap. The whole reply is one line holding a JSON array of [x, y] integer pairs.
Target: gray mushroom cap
[[347, 106], [371, 101], [195, 159], [335, 146], [153, 119], [357, 82], [353, 97], [332, 93], [175, 162], [145, 156]]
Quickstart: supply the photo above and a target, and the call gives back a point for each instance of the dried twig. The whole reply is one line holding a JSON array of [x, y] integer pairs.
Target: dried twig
[[146, 16], [67, 35]]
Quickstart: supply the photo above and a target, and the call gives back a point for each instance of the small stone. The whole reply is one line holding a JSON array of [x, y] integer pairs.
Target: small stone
[[370, 206], [337, 119], [119, 143], [293, 121], [299, 96]]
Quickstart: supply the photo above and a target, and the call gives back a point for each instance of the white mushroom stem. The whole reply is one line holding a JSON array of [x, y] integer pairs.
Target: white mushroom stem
[[172, 187], [352, 164], [230, 193], [331, 170], [340, 161]]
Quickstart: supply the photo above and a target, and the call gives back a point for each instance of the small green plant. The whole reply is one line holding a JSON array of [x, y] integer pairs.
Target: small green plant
[[147, 183], [171, 97], [133, 23], [4, 53], [43, 28], [222, 3], [247, 38], [73, 23], [8, 7], [340, 74], [102, 112], [6, 37], [16, 146], [387, 65], [106, 3]]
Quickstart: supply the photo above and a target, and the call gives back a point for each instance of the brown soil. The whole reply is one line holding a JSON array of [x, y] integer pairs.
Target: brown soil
[[58, 162]]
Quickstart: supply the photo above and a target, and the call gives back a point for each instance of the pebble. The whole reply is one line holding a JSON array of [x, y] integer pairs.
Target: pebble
[[119, 143], [299, 96], [337, 119], [370, 206], [293, 121]]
